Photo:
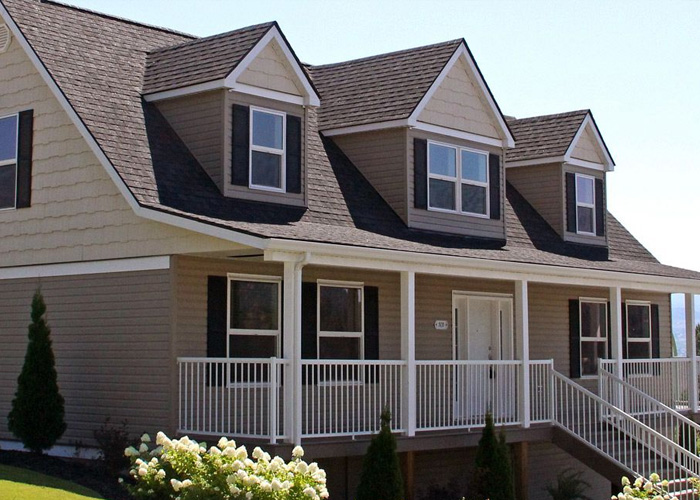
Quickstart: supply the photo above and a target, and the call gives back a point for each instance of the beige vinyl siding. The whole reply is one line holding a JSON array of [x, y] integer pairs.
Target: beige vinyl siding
[[547, 460], [77, 212], [447, 222], [584, 238], [198, 120], [111, 340], [586, 148], [244, 192], [541, 186], [459, 104], [271, 70], [381, 157]]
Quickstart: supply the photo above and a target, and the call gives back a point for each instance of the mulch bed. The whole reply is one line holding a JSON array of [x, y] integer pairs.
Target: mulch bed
[[88, 473]]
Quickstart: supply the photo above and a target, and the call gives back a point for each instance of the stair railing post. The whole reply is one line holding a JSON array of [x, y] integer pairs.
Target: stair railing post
[[691, 351]]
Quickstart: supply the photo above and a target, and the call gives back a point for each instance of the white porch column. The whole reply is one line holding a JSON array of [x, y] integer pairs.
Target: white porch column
[[292, 350], [691, 351], [616, 326], [522, 325], [408, 350]]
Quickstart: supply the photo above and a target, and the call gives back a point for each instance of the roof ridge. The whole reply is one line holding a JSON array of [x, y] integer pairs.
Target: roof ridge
[[196, 40], [456, 41], [117, 18], [553, 115]]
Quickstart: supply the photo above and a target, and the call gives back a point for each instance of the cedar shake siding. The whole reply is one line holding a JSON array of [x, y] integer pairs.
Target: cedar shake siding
[[112, 343]]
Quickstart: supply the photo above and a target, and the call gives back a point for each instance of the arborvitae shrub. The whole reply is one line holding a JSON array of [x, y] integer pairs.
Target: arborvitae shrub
[[381, 472], [493, 474], [37, 415]]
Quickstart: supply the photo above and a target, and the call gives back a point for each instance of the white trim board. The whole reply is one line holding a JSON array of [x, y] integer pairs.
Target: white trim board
[[609, 165], [90, 267]]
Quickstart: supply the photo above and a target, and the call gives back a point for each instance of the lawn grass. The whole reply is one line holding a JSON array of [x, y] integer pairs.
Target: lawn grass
[[21, 484]]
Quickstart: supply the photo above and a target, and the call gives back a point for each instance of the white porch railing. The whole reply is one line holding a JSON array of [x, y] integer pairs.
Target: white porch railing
[[665, 380], [541, 393]]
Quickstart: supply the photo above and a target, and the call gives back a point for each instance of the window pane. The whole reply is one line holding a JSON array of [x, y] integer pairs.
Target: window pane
[[339, 348], [341, 309], [594, 322], [474, 166], [591, 352], [7, 186], [267, 129], [8, 138], [252, 346], [254, 305], [266, 170], [473, 199], [584, 190], [638, 350], [442, 194], [585, 219], [443, 160], [638, 322]]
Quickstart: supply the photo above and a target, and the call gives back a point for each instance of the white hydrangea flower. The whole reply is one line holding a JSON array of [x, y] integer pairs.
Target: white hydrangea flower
[[298, 452], [249, 495], [214, 450], [654, 477], [186, 483], [143, 471], [257, 453], [302, 467], [639, 482], [175, 484], [145, 438], [131, 452], [160, 474], [648, 486], [309, 492], [625, 481]]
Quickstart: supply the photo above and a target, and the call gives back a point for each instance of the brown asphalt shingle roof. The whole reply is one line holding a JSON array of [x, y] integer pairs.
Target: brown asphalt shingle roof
[[99, 62], [544, 136]]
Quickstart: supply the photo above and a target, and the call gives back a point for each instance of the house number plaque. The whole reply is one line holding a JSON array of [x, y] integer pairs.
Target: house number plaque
[[441, 324]]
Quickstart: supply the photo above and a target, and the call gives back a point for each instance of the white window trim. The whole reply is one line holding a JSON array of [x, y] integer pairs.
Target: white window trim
[[261, 332], [627, 325], [585, 205], [458, 181], [282, 153], [582, 339], [12, 162], [331, 334]]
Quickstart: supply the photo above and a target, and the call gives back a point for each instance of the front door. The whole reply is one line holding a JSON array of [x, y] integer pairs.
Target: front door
[[483, 331]]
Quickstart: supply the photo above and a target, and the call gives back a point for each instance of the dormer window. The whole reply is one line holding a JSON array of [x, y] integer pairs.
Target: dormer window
[[458, 180], [267, 148], [8, 161], [585, 204]]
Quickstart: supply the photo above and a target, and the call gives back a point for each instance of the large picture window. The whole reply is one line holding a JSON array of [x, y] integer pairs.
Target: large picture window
[[254, 317], [267, 149], [458, 180], [594, 334], [638, 330], [340, 320], [585, 204], [8, 161]]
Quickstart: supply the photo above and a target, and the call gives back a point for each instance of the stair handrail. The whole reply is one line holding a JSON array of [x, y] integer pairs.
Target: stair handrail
[[644, 435]]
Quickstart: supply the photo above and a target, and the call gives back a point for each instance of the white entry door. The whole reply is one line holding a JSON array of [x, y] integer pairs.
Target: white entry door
[[483, 331]]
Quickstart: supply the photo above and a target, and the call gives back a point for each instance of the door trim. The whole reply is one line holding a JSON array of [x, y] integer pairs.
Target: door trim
[[461, 294]]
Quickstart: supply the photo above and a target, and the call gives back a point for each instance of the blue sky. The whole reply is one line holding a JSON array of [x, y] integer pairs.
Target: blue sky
[[634, 64]]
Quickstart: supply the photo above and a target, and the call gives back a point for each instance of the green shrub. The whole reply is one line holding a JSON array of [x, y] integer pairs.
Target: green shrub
[[381, 472], [112, 440], [569, 486], [37, 415], [493, 474]]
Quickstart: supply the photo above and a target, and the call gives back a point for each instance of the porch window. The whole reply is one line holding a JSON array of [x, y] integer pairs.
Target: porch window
[[254, 314], [341, 320], [639, 339], [594, 334], [267, 149], [585, 204]]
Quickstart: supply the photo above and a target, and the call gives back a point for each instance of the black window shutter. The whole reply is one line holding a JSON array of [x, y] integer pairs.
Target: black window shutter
[[24, 158], [570, 202], [420, 173], [574, 340], [599, 208], [371, 322], [308, 321], [655, 334], [293, 159], [216, 325], [495, 185], [240, 149], [624, 330]]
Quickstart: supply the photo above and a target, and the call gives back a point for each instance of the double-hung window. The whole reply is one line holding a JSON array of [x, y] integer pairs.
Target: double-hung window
[[254, 316], [585, 204], [458, 180], [267, 149], [638, 329], [340, 320], [8, 161], [594, 334]]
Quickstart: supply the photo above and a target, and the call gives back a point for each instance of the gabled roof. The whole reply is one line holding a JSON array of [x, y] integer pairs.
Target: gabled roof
[[551, 137]]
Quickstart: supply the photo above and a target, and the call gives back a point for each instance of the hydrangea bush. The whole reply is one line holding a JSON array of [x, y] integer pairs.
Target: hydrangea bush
[[185, 469], [653, 488]]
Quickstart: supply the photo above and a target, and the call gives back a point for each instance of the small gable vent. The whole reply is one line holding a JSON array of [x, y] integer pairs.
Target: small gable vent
[[4, 37]]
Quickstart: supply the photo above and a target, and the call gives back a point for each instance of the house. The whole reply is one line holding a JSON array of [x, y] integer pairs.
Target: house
[[231, 242]]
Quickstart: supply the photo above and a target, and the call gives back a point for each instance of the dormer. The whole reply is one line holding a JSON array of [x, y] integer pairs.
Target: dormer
[[425, 130], [239, 101], [559, 165]]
